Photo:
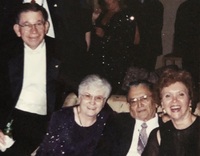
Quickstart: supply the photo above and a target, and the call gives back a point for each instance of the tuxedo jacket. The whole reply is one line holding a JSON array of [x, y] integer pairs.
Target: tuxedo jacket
[[12, 66], [117, 136]]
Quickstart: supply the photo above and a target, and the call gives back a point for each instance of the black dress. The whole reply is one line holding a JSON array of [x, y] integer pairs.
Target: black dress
[[174, 142], [111, 54], [66, 137]]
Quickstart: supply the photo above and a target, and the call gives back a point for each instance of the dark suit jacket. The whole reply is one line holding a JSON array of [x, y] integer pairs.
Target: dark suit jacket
[[12, 76], [117, 136]]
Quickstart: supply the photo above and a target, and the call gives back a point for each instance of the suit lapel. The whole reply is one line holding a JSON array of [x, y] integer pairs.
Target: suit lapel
[[128, 134], [16, 69], [52, 70]]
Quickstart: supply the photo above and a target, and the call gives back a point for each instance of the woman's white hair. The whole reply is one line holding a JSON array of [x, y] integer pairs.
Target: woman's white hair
[[96, 81]]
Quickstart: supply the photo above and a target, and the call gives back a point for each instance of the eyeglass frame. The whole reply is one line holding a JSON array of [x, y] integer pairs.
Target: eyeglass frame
[[89, 97], [134, 101], [28, 26]]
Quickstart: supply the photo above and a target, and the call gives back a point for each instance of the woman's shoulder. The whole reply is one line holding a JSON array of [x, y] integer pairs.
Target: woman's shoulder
[[124, 16], [167, 124], [125, 13], [198, 118], [197, 121], [64, 116], [166, 127]]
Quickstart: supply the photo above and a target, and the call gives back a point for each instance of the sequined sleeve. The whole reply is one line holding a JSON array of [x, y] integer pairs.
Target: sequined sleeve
[[57, 124]]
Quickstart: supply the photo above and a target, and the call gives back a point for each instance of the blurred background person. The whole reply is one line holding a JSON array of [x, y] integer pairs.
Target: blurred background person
[[180, 136], [149, 15], [76, 130], [112, 41], [72, 21], [187, 38]]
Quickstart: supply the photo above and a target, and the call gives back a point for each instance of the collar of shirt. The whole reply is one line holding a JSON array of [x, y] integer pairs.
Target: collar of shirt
[[35, 51], [40, 2], [151, 124]]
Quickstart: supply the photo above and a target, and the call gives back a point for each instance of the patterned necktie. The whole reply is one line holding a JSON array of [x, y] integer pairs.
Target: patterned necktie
[[142, 138]]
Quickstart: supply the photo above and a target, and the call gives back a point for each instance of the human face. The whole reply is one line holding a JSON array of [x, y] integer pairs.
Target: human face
[[92, 100], [112, 4], [176, 101], [144, 107], [35, 35]]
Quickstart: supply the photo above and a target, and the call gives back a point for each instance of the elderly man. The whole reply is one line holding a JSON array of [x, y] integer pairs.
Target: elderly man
[[126, 133], [30, 73]]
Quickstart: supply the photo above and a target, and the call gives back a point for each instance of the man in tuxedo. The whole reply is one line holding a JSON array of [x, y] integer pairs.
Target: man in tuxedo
[[30, 76], [70, 22], [122, 133]]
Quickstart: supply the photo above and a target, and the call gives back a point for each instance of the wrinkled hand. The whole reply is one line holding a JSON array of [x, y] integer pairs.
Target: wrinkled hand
[[99, 32], [2, 138]]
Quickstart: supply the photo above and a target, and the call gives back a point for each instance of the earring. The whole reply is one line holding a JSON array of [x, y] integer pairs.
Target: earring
[[190, 107], [164, 111]]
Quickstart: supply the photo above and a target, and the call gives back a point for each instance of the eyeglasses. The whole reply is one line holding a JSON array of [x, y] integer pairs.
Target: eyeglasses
[[143, 99], [89, 97], [29, 26]]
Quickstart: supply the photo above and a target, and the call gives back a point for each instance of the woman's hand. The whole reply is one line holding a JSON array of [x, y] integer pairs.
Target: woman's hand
[[99, 32], [95, 15]]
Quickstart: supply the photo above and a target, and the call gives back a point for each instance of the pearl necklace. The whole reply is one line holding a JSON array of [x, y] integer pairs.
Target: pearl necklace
[[79, 119]]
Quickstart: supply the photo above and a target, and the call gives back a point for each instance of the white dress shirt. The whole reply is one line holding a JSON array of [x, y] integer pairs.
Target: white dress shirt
[[45, 5], [33, 94], [151, 124]]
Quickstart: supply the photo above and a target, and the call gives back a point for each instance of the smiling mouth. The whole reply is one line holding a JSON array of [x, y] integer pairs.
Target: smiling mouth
[[34, 37], [141, 111], [91, 108], [175, 108]]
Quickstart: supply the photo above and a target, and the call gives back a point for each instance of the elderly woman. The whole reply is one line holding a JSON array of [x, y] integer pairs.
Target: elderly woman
[[180, 136], [75, 130]]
